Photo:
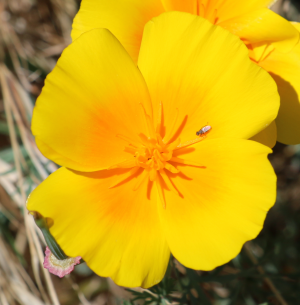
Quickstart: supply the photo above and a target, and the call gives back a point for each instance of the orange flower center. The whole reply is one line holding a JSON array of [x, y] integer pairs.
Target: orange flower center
[[153, 157], [154, 154]]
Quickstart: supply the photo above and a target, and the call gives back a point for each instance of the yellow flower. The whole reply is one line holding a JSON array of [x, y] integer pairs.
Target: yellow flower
[[137, 182], [250, 20]]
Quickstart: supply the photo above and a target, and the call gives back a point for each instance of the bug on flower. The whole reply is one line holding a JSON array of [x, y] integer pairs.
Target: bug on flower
[[204, 130]]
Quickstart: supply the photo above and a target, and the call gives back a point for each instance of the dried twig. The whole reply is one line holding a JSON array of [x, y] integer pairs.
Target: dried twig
[[261, 270]]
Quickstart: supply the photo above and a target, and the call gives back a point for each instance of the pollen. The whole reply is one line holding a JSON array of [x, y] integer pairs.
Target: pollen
[[154, 154]]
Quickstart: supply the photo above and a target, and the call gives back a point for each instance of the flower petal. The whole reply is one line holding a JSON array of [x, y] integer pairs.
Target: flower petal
[[231, 8], [202, 74], [222, 206], [285, 69], [225, 9], [115, 230], [124, 18], [90, 97], [268, 136], [188, 6], [263, 25]]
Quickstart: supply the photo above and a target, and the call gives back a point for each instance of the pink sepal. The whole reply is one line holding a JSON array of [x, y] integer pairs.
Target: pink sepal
[[59, 267]]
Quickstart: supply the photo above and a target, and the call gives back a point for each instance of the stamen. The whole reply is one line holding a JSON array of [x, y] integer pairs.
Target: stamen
[[161, 193], [186, 162], [153, 174], [149, 122], [149, 143], [217, 5], [159, 118], [170, 133], [171, 168], [131, 150], [266, 52], [150, 162], [198, 7], [158, 155], [159, 163], [189, 143], [203, 8], [160, 140], [122, 178], [214, 16], [141, 160], [167, 156], [173, 145], [168, 181], [144, 139], [140, 179], [126, 164]]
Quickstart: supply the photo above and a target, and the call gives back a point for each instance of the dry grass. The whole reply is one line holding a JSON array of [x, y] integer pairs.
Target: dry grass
[[33, 34]]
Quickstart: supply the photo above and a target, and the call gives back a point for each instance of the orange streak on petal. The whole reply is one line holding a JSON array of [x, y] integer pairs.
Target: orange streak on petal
[[160, 191], [168, 136], [168, 181], [167, 156], [122, 178], [149, 122], [152, 174], [140, 179], [186, 162], [144, 139], [126, 139], [131, 150], [158, 155], [171, 168], [173, 145], [159, 118], [126, 164]]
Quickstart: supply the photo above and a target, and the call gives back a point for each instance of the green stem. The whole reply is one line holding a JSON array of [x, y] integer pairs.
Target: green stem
[[41, 222]]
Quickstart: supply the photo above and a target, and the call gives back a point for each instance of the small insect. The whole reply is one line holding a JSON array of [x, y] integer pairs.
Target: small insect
[[204, 130]]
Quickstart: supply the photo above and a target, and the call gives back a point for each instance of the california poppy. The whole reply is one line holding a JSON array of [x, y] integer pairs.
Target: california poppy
[[138, 179]]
